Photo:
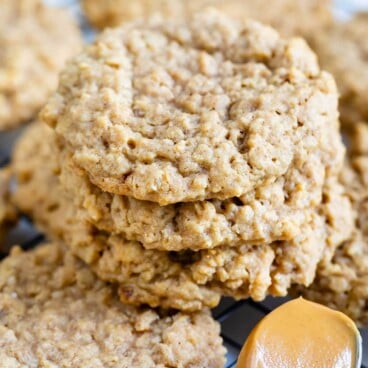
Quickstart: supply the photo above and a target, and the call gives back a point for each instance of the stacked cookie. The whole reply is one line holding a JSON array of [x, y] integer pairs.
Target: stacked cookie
[[342, 283], [190, 159]]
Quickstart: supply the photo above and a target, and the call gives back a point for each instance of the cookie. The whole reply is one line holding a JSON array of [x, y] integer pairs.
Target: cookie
[[291, 17], [184, 280], [55, 312], [8, 214], [35, 41], [273, 212], [181, 111], [26, 196], [343, 283], [343, 50]]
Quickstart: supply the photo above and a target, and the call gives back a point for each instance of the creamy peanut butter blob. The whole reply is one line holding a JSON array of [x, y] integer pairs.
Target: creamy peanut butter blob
[[302, 334]]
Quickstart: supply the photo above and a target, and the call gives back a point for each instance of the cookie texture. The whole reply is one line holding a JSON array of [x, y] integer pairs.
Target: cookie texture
[[184, 280], [291, 17], [207, 108], [343, 50], [343, 283], [55, 312], [35, 41]]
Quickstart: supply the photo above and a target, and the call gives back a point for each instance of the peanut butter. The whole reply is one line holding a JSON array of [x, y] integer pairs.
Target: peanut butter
[[302, 334]]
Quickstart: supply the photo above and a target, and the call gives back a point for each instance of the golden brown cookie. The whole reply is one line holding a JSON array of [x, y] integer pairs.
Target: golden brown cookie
[[185, 280], [56, 313], [288, 16], [200, 109], [343, 283], [35, 41], [343, 50], [273, 212]]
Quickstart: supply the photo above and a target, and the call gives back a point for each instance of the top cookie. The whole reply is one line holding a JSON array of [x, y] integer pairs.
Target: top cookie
[[343, 50], [35, 41], [184, 111], [288, 16]]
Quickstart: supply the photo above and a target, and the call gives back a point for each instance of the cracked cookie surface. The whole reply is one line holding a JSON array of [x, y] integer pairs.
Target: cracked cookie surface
[[55, 312], [179, 111], [183, 280], [35, 41]]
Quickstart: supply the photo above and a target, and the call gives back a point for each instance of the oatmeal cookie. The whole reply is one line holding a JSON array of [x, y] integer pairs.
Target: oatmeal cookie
[[37, 189], [273, 212], [187, 280], [35, 41], [55, 312], [184, 280], [291, 17], [343, 51], [343, 283], [200, 109]]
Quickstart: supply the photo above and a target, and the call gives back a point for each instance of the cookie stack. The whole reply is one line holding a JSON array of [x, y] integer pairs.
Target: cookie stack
[[180, 161], [195, 159]]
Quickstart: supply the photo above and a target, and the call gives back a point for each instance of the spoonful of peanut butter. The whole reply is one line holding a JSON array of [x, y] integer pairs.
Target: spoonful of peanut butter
[[303, 334]]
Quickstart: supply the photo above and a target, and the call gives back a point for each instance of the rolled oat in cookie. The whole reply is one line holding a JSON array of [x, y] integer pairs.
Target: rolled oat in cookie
[[35, 41], [206, 108], [343, 51], [184, 280], [56, 313], [291, 17], [342, 283]]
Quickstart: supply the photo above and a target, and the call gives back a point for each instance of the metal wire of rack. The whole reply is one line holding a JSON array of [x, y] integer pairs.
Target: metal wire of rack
[[237, 319]]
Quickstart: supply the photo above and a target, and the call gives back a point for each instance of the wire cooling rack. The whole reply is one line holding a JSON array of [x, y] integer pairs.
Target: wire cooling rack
[[237, 319]]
